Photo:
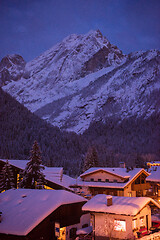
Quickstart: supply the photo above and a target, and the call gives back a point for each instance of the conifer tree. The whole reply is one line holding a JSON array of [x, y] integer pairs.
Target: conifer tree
[[33, 176], [6, 177], [91, 159]]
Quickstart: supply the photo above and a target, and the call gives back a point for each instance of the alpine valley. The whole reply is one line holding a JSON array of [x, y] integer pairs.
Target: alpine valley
[[86, 85]]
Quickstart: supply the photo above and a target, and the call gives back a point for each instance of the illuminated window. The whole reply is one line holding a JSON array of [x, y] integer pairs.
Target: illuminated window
[[130, 194], [120, 225], [134, 223], [46, 187], [62, 235], [18, 178], [141, 221]]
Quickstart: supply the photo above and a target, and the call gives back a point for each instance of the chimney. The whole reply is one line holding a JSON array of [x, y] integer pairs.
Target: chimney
[[122, 165], [109, 200]]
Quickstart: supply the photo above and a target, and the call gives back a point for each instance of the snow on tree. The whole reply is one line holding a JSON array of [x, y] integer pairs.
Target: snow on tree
[[33, 176], [6, 177], [91, 159]]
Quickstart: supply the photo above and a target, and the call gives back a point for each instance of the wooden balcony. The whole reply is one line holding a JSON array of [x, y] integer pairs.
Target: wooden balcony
[[140, 187]]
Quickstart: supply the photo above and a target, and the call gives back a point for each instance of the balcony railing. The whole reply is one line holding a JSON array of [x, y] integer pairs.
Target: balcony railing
[[139, 187]]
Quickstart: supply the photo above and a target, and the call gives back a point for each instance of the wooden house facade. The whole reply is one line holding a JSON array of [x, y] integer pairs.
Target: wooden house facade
[[114, 181], [120, 217]]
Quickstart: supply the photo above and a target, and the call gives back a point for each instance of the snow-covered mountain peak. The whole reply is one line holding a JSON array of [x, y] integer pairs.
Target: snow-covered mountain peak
[[75, 57], [86, 78], [92, 35]]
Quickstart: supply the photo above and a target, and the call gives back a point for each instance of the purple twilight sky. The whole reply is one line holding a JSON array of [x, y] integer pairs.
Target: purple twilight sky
[[29, 27]]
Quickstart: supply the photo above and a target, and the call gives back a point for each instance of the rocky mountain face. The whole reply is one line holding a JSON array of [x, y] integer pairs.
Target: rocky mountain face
[[11, 68], [84, 79]]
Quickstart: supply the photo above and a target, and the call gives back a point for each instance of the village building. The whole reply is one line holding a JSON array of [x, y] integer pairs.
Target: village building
[[54, 176], [39, 214], [113, 181], [153, 163], [120, 217], [154, 180]]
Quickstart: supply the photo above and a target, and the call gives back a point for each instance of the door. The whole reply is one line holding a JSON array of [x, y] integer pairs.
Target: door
[[147, 221]]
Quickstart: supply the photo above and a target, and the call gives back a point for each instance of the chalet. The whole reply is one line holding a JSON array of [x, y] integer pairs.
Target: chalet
[[119, 217], [38, 214], [55, 179], [114, 181], [153, 163], [154, 180]]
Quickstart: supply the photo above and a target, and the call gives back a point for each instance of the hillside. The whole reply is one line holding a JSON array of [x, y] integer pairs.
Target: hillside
[[132, 141], [86, 85], [19, 129]]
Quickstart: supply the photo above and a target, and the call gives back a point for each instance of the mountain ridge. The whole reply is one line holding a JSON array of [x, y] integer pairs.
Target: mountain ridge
[[85, 78]]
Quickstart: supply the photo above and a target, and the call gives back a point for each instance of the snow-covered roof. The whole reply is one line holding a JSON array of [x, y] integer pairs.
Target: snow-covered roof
[[20, 215], [84, 231], [120, 172], [154, 174], [52, 174], [21, 164], [120, 205], [66, 180], [53, 170], [100, 184]]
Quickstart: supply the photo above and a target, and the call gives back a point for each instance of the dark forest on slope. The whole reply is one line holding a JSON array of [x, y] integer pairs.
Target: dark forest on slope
[[133, 141], [19, 128]]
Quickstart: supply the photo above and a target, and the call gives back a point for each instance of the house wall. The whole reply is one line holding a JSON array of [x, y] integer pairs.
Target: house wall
[[132, 189], [128, 191], [104, 226], [103, 176], [140, 186], [142, 223], [108, 191]]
